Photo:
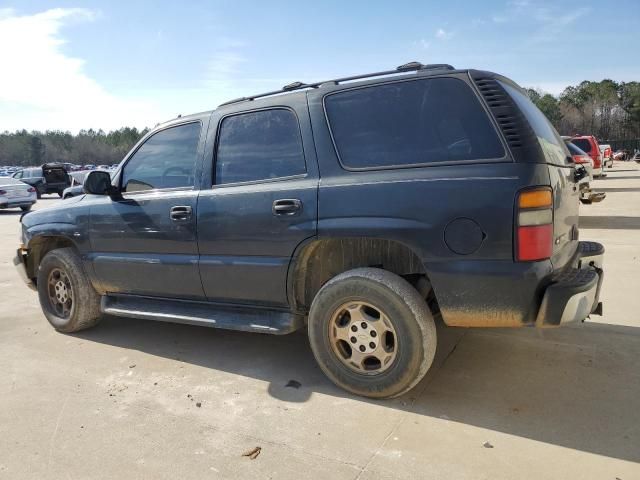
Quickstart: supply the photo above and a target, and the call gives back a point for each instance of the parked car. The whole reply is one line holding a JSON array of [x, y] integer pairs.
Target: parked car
[[359, 207], [89, 167], [620, 155], [16, 194], [581, 158], [50, 178], [606, 154], [589, 144]]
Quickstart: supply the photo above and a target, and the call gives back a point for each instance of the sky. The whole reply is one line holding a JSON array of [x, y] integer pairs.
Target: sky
[[70, 65]]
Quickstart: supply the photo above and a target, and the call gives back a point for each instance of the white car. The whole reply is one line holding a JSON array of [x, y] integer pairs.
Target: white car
[[607, 156], [16, 194]]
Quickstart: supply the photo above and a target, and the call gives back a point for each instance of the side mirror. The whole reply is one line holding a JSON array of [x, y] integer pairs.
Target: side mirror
[[98, 182]]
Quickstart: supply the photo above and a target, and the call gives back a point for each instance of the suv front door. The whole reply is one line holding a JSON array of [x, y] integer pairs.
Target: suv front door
[[145, 243], [262, 205]]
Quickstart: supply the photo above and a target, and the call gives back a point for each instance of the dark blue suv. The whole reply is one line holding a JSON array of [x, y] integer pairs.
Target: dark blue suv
[[361, 208]]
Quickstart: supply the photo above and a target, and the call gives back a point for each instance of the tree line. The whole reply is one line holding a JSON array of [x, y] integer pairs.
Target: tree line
[[95, 147], [607, 109]]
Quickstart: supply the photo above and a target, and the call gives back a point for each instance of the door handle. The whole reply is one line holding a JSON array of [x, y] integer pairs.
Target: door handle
[[180, 213], [287, 207]]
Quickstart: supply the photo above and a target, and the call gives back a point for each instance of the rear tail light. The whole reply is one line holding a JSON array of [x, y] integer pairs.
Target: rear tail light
[[534, 229], [31, 190]]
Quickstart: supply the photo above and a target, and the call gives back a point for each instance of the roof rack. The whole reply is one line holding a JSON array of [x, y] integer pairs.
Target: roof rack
[[407, 67]]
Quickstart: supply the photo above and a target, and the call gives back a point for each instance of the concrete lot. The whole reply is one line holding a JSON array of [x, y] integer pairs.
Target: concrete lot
[[138, 399]]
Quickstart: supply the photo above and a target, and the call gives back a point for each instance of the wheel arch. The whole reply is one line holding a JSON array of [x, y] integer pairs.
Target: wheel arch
[[316, 261], [42, 244]]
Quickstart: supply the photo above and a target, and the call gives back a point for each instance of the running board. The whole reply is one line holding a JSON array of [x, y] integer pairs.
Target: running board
[[246, 319]]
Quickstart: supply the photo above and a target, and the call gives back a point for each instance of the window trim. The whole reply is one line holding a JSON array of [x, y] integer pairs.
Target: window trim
[[214, 159], [503, 159], [120, 171]]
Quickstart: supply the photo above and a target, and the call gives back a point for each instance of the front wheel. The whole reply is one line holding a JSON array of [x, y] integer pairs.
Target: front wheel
[[66, 295], [372, 333]]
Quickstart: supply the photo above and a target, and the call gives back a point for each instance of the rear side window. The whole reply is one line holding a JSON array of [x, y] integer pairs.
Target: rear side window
[[410, 123], [582, 144], [166, 160], [259, 146]]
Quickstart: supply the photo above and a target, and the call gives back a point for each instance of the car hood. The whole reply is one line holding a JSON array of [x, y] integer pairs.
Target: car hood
[[60, 212]]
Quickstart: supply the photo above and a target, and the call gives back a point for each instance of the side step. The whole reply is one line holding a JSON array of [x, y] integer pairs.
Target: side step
[[204, 314]]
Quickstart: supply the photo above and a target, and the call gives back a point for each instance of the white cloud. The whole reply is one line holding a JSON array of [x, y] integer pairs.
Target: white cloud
[[42, 88], [442, 34], [424, 44]]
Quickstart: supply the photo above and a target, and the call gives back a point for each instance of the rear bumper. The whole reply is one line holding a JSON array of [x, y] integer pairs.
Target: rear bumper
[[575, 294], [15, 203]]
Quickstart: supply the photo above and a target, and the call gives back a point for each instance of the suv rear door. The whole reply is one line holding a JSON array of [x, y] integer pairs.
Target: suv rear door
[[259, 202]]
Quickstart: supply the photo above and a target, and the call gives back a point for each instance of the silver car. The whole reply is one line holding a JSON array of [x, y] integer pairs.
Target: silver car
[[16, 194]]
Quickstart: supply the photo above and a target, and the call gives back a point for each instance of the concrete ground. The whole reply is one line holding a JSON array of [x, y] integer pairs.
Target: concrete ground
[[137, 399]]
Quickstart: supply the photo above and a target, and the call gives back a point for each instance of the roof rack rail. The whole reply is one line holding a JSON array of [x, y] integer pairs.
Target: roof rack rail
[[407, 67]]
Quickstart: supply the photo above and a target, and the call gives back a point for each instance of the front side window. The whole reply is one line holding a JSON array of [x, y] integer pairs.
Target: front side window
[[165, 160], [410, 123], [259, 145], [19, 174]]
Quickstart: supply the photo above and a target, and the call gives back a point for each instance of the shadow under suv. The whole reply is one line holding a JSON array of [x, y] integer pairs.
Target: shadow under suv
[[360, 207]]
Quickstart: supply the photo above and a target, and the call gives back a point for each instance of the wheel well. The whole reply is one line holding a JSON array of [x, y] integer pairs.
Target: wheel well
[[39, 247], [322, 260]]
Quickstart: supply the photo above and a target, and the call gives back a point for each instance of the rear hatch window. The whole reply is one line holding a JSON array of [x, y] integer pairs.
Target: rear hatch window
[[554, 148], [582, 143], [575, 150]]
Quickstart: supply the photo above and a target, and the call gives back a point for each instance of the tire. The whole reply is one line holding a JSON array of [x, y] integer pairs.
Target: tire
[[25, 208], [365, 291], [67, 196], [64, 265], [60, 194]]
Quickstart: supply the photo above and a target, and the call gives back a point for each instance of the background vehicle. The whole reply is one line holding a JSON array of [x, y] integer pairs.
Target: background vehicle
[[50, 178], [607, 156], [16, 194], [587, 195], [589, 145], [76, 187], [444, 192]]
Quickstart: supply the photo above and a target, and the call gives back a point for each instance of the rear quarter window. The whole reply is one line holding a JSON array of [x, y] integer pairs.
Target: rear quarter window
[[410, 123]]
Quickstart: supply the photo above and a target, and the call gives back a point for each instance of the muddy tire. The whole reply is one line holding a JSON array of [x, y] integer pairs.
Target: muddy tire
[[66, 296], [372, 333]]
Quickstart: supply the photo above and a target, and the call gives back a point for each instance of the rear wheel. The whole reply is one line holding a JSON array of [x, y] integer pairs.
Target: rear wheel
[[372, 333], [25, 208], [66, 296]]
